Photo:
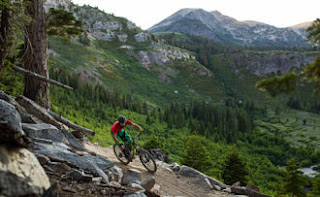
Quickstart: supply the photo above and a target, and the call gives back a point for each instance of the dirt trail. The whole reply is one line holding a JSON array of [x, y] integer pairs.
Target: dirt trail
[[170, 183]]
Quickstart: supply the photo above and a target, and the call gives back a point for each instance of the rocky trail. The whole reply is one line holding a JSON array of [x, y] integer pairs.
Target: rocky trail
[[168, 182]]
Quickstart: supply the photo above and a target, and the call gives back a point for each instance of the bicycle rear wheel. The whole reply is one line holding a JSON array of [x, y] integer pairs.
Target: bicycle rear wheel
[[147, 161], [120, 155]]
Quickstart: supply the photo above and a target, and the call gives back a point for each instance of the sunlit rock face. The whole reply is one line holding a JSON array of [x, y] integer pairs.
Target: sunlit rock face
[[20, 172]]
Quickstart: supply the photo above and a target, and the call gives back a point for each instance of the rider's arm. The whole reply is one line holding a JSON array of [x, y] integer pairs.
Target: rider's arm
[[137, 126], [115, 138]]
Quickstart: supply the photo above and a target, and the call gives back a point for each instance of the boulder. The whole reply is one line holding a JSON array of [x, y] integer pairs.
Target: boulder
[[100, 172], [214, 181], [136, 187], [149, 183], [25, 117], [160, 155], [175, 167], [20, 173], [196, 175], [10, 125], [50, 132], [44, 131], [73, 141], [79, 176], [189, 172], [64, 154], [246, 191], [12, 101], [131, 176], [117, 173]]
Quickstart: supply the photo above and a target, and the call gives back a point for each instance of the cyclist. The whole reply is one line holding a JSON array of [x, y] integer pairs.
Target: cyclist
[[119, 135]]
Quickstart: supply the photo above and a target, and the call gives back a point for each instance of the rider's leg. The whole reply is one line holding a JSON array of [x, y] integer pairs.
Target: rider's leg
[[119, 138], [128, 139]]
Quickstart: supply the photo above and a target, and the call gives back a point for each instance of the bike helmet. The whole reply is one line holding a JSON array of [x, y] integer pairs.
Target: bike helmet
[[122, 119]]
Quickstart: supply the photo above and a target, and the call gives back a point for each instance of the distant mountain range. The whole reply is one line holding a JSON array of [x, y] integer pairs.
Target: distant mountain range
[[227, 30]]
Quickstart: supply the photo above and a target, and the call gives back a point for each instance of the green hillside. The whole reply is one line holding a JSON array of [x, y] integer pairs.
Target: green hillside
[[177, 97]]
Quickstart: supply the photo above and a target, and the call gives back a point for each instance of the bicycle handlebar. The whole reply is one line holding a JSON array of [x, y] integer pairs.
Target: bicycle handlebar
[[140, 133]]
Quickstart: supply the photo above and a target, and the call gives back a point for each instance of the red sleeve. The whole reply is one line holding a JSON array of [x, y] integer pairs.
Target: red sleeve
[[113, 128], [129, 122]]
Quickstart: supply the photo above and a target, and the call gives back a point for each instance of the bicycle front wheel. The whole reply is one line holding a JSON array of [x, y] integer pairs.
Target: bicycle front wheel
[[147, 161], [120, 155]]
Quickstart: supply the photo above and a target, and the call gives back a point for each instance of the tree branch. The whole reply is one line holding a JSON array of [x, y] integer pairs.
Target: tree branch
[[70, 124], [40, 77]]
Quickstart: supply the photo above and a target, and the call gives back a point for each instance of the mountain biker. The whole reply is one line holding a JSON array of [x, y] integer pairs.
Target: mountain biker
[[119, 135]]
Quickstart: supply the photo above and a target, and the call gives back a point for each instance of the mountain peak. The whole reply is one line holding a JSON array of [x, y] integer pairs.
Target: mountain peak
[[304, 25], [224, 29]]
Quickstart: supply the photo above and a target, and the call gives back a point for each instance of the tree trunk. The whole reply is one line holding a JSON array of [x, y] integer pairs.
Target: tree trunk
[[36, 58], [4, 31]]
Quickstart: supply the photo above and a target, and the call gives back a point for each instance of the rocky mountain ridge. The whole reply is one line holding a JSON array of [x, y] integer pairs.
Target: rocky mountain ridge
[[100, 25], [263, 63], [227, 30]]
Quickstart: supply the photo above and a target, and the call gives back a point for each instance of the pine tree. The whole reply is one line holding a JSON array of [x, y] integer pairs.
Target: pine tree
[[234, 168], [316, 186], [153, 142], [293, 181], [196, 154]]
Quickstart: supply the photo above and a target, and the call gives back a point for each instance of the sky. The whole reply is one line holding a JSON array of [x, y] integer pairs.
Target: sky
[[146, 13]]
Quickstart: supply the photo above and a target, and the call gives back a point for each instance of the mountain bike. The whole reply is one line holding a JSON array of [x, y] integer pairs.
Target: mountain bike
[[127, 155]]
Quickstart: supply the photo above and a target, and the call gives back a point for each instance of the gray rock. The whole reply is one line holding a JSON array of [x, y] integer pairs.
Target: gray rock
[[149, 183], [97, 180], [79, 176], [72, 140], [25, 117], [28, 118], [50, 132], [10, 125], [114, 184], [117, 173], [189, 172], [101, 173], [6, 97], [136, 187], [58, 167], [135, 195], [42, 159], [217, 187], [44, 131], [214, 181], [196, 175], [175, 167], [20, 173], [131, 25], [158, 154], [122, 37], [63, 153], [142, 37], [131, 176], [246, 191]]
